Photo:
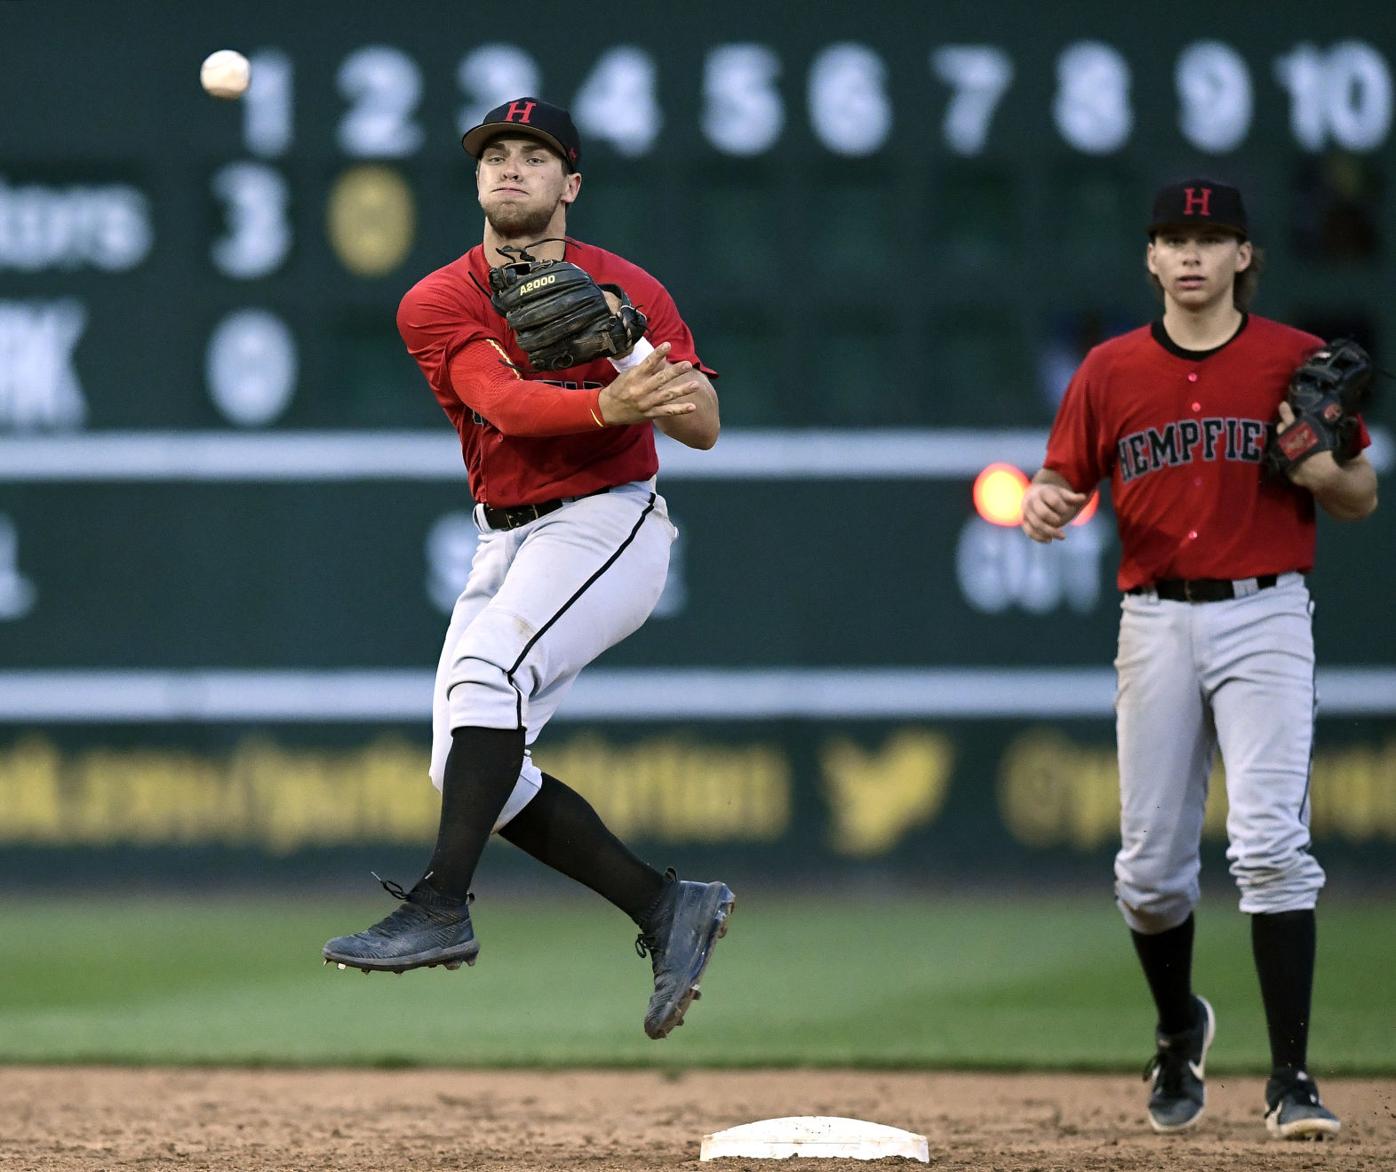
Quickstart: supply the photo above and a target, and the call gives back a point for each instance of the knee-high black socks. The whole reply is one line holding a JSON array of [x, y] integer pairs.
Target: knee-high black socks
[[1284, 945], [481, 770], [1167, 960], [560, 828]]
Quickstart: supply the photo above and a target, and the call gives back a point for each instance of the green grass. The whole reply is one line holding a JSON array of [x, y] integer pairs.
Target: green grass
[[932, 981]]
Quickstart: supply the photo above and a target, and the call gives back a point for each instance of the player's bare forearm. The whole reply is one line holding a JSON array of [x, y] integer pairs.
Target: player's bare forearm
[[700, 428], [1049, 505], [1346, 492]]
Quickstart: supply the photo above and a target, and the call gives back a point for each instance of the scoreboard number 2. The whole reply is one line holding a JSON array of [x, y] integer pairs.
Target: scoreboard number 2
[[384, 87]]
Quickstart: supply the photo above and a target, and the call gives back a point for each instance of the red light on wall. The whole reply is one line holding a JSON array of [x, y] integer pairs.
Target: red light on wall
[[998, 494]]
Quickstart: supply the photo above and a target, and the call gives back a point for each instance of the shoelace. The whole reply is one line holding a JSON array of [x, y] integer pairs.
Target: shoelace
[[392, 888], [647, 943], [396, 890], [1170, 1066]]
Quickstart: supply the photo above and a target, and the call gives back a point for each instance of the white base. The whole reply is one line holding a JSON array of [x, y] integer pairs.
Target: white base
[[820, 1136]]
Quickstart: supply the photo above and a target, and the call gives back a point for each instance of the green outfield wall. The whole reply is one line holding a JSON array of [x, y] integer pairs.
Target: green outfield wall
[[233, 519], [905, 801]]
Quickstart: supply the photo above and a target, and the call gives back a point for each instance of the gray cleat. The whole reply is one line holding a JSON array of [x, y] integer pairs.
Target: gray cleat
[[1179, 1093], [678, 936], [1293, 1110], [427, 930]]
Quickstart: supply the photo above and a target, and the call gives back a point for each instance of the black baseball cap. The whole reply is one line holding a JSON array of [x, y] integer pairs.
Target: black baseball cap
[[1199, 203], [532, 117]]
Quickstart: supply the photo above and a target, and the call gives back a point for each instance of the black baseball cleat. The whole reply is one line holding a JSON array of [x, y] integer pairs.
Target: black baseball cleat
[[678, 936], [1179, 1093], [427, 930], [1293, 1110]]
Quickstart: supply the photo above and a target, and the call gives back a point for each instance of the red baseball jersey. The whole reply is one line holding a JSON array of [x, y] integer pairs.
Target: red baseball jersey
[[450, 308], [1180, 434]]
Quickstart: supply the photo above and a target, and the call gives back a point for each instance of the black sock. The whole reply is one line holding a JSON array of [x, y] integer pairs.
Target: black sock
[[1284, 944], [481, 770], [1167, 960], [559, 828]]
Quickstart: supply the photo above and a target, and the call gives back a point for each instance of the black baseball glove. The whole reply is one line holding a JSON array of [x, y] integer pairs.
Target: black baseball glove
[[559, 313], [1326, 393]]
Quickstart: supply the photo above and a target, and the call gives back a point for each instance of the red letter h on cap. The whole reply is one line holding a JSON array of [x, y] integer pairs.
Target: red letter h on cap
[[523, 111], [1195, 204]]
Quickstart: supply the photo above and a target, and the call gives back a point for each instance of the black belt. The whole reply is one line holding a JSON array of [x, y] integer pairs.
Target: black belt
[[1204, 589], [513, 516]]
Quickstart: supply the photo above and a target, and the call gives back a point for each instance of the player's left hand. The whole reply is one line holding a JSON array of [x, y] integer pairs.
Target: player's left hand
[[560, 316], [1320, 414], [616, 306], [1318, 469]]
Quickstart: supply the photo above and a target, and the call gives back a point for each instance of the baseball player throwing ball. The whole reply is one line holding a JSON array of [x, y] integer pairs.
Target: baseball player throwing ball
[[554, 360], [1218, 431]]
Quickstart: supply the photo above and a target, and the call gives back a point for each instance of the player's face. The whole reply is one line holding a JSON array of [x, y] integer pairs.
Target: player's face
[[522, 185], [1197, 266]]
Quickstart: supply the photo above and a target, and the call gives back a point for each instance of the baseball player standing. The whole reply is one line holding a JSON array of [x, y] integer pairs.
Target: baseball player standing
[[1216, 642], [573, 552]]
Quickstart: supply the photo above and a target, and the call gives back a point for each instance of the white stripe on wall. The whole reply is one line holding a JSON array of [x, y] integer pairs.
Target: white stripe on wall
[[77, 696], [902, 454], [435, 455]]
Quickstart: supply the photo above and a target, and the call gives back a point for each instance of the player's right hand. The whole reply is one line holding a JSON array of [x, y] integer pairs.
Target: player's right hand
[[1048, 509], [652, 390]]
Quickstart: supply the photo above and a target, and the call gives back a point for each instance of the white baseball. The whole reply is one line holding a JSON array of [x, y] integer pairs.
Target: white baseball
[[225, 74]]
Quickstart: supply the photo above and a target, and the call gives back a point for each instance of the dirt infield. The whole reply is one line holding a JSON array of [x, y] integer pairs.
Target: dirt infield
[[93, 1118]]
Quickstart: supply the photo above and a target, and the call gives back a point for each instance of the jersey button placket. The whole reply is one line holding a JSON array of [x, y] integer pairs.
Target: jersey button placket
[[1196, 409]]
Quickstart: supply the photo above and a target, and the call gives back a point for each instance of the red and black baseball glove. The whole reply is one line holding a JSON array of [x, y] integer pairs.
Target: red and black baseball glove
[[1326, 393], [559, 314]]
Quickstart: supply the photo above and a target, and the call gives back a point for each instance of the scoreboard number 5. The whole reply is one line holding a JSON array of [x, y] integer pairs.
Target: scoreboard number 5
[[742, 109]]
